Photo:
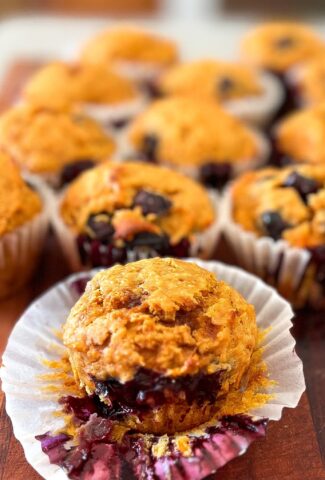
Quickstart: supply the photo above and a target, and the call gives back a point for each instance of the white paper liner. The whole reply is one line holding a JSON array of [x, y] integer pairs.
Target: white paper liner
[[109, 113], [259, 109], [274, 261], [139, 71], [203, 244], [33, 340], [20, 249]]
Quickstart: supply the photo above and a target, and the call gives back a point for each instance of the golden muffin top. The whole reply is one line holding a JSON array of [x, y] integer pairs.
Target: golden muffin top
[[43, 141], [18, 202], [192, 132], [301, 135], [211, 79], [62, 85], [278, 46], [311, 81], [126, 191], [166, 315], [126, 44], [284, 204]]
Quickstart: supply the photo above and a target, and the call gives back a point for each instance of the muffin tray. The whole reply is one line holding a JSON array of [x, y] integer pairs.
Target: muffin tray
[[294, 449]]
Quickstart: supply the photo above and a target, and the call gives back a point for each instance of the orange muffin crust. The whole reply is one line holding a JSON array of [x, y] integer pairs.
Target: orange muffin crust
[[278, 46], [166, 315], [211, 79], [111, 187], [311, 81], [124, 44], [301, 135], [299, 200], [62, 85], [18, 203], [43, 141], [192, 132]]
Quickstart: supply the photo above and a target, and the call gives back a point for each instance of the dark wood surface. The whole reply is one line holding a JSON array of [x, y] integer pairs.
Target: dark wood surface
[[294, 448]]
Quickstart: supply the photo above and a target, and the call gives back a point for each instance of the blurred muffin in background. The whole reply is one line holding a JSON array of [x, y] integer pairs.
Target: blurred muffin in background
[[137, 54], [121, 212], [246, 92], [300, 137], [279, 46], [23, 225], [308, 80], [93, 89], [198, 138], [57, 146]]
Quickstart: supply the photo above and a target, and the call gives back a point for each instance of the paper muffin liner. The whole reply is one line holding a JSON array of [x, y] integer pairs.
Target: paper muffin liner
[[259, 109], [20, 249], [32, 413], [203, 244], [139, 71], [287, 268]]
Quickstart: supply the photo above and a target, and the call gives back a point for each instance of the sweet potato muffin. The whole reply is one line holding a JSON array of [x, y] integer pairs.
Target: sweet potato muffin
[[197, 137], [55, 145], [134, 52], [160, 340], [300, 137], [279, 46], [120, 212]]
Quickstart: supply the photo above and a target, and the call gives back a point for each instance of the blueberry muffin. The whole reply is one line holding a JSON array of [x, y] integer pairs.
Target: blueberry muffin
[[22, 227], [136, 53], [300, 137], [197, 137], [120, 212], [242, 90], [309, 81], [279, 46], [55, 145], [160, 340], [94, 89], [287, 204]]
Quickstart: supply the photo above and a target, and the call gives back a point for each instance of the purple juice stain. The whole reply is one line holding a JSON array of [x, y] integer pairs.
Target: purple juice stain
[[71, 171], [215, 175]]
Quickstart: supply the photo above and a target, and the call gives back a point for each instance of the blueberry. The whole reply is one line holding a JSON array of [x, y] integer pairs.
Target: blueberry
[[119, 124], [284, 43], [149, 147], [151, 203], [225, 85], [147, 245], [100, 226], [215, 175], [74, 169], [303, 185], [181, 249], [273, 224]]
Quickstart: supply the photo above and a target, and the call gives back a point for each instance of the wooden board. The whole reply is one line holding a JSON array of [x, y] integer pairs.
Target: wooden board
[[294, 448]]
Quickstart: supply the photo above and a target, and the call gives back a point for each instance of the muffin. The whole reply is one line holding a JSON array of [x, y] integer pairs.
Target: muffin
[[23, 223], [279, 46], [308, 81], [282, 210], [120, 212], [246, 92], [135, 53], [198, 138], [300, 137], [162, 340], [94, 89], [57, 146]]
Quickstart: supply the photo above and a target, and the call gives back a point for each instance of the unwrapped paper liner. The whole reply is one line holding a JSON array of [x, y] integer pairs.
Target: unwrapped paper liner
[[20, 249], [203, 243], [34, 339], [276, 262]]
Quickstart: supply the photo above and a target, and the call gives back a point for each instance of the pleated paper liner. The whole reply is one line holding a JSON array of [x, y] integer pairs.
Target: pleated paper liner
[[289, 269], [33, 413]]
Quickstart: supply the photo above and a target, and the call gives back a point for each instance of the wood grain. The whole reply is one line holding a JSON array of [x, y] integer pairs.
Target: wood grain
[[293, 447]]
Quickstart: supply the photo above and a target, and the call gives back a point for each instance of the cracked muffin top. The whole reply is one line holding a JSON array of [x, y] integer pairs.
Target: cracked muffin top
[[43, 141], [139, 198], [62, 86], [211, 79], [310, 81], [284, 204], [19, 203], [167, 315], [278, 46], [301, 135], [125, 44], [185, 131]]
